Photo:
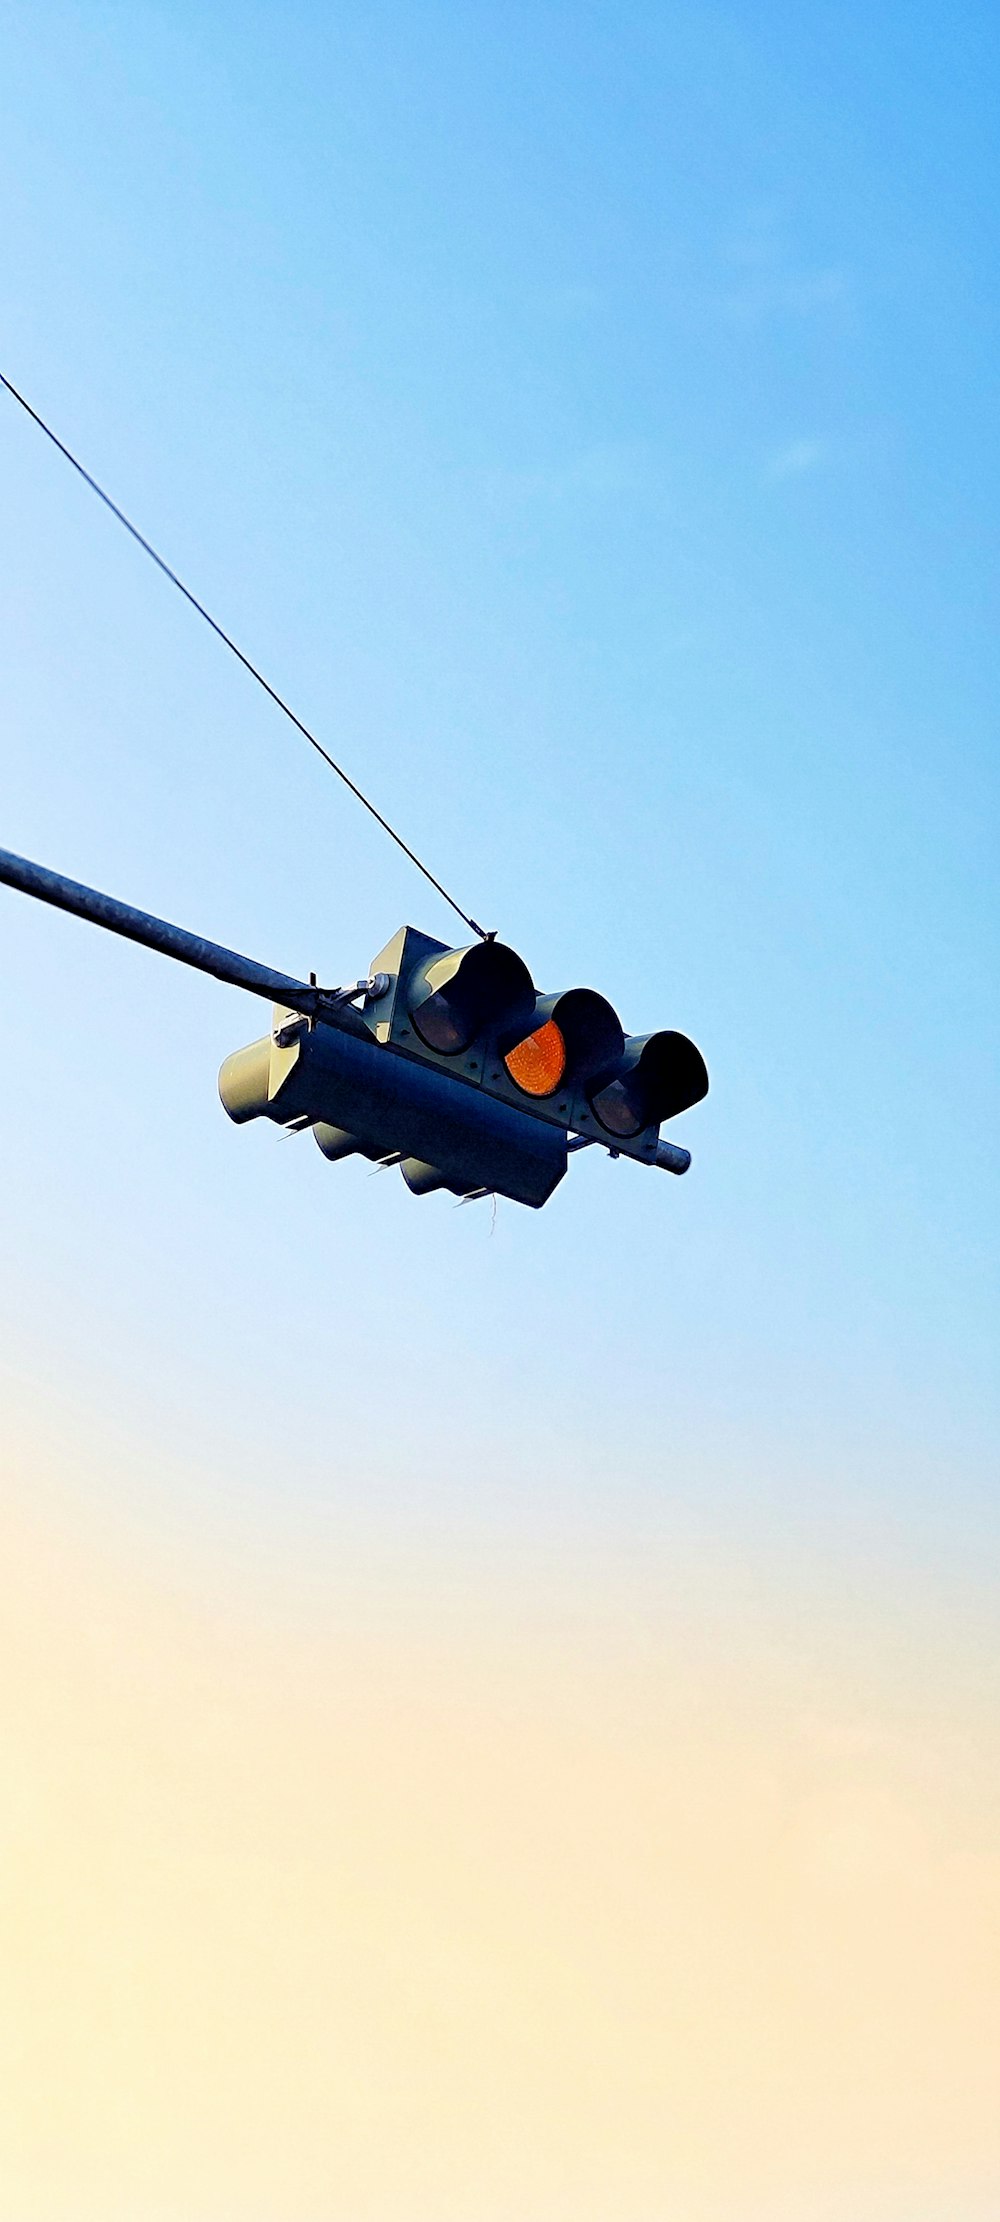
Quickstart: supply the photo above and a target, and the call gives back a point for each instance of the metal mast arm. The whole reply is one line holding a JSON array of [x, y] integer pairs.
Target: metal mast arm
[[171, 941]]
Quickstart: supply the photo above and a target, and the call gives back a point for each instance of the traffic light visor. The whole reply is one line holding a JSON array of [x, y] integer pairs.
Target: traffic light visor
[[661, 1075], [538, 1063], [458, 995]]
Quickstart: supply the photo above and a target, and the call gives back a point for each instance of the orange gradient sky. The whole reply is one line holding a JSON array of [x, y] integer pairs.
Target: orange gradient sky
[[442, 1905]]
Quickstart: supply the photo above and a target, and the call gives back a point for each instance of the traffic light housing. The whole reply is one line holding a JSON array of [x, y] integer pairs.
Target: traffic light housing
[[563, 1058], [455, 1068], [361, 1099], [445, 1062]]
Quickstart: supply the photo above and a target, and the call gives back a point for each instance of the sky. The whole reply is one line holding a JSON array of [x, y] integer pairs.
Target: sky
[[500, 1716]]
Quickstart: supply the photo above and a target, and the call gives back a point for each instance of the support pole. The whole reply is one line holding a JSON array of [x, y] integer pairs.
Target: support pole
[[170, 941]]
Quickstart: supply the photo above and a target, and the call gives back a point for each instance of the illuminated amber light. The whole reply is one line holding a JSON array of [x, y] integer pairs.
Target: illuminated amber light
[[538, 1064]]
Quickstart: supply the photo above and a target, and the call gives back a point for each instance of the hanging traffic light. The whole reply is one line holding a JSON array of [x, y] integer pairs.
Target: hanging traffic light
[[563, 1058], [445, 1062], [360, 1098]]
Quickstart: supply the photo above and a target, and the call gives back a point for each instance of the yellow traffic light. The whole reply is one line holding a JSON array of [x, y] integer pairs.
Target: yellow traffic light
[[537, 1064]]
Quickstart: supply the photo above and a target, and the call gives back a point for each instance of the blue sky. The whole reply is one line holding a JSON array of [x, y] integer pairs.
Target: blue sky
[[588, 421], [587, 416]]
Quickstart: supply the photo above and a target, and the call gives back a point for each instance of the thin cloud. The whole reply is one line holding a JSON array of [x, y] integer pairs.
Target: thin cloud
[[765, 280], [601, 473], [796, 457], [760, 295], [571, 303]]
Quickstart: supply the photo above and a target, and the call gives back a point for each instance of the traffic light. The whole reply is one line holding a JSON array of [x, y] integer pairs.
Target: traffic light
[[563, 1058], [460, 1072], [446, 1062], [360, 1098]]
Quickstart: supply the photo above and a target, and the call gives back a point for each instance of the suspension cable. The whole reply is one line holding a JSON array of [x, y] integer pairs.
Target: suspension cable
[[231, 644]]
